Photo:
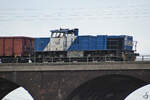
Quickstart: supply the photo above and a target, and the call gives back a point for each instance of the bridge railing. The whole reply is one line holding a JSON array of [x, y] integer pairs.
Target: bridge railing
[[143, 58]]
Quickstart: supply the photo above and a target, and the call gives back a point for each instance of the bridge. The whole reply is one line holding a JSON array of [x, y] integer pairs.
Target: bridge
[[78, 81]]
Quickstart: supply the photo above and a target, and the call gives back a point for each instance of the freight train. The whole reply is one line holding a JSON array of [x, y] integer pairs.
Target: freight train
[[65, 45]]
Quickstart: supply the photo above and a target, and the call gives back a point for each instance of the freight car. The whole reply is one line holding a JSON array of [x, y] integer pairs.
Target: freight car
[[16, 49], [67, 46]]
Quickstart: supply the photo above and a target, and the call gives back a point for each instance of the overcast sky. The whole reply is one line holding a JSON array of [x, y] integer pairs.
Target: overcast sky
[[35, 18]]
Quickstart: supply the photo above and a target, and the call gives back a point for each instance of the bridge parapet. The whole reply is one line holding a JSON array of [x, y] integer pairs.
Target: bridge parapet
[[76, 66]]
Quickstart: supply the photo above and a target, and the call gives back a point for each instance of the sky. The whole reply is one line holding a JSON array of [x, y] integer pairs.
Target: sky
[[18, 94], [35, 18]]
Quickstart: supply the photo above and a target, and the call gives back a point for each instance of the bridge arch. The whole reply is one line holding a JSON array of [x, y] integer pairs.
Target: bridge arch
[[108, 87], [9, 91]]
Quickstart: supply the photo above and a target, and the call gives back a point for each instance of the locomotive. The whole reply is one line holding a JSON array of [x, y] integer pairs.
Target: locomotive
[[66, 45]]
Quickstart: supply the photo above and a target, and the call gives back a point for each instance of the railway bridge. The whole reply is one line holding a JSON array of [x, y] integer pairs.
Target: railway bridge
[[78, 81]]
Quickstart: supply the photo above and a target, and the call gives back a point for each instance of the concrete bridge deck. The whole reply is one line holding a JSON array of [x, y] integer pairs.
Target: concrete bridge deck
[[75, 66]]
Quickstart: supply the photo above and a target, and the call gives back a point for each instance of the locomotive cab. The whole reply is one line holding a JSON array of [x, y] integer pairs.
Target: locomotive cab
[[62, 39]]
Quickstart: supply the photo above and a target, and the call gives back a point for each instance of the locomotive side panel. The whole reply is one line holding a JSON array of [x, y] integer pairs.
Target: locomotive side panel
[[101, 42], [41, 44]]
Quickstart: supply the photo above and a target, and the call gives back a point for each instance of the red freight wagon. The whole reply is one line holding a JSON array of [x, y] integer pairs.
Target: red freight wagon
[[1, 46], [8, 47], [16, 46]]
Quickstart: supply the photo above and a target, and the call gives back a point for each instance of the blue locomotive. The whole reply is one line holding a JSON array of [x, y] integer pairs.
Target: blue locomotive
[[66, 45]]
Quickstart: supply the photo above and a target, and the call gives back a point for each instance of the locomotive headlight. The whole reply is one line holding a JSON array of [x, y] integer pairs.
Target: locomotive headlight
[[18, 94], [142, 93]]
